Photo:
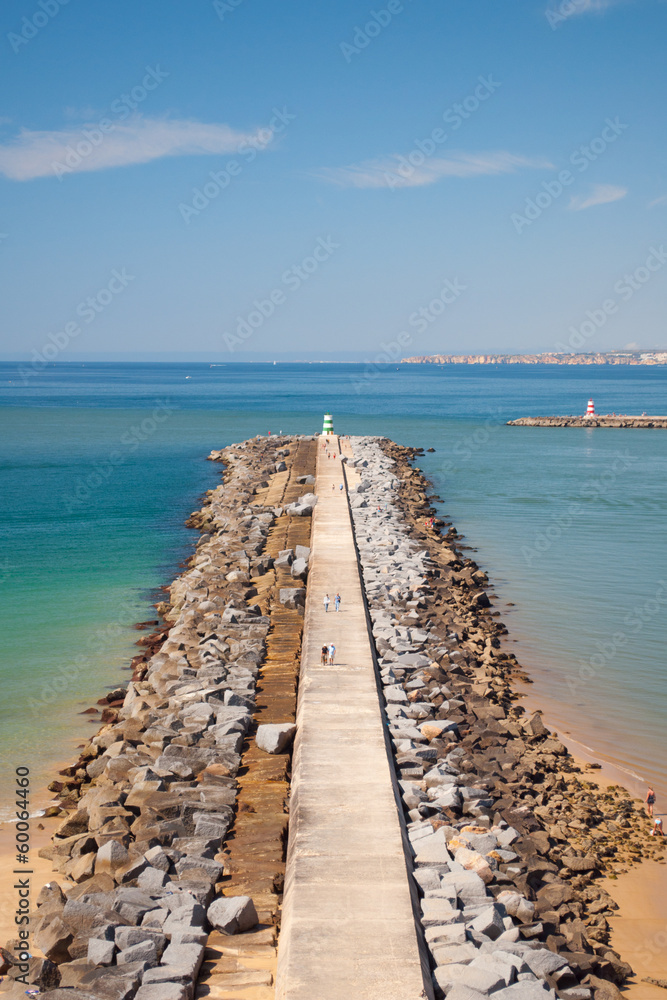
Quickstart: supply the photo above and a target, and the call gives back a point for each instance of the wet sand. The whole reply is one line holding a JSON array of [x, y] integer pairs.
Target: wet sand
[[639, 926], [41, 831]]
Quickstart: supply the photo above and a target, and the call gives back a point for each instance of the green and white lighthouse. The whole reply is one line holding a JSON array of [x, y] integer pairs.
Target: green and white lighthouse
[[327, 426]]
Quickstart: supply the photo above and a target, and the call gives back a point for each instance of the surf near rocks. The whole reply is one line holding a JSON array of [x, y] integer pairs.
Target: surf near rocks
[[144, 881], [507, 841]]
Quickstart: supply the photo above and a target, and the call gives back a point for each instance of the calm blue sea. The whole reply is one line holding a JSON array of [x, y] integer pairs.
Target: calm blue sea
[[101, 463]]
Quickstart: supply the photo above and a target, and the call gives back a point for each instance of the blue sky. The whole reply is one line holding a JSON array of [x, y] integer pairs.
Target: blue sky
[[246, 177]]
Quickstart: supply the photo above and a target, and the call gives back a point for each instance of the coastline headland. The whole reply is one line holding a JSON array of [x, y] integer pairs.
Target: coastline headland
[[425, 835], [599, 420], [642, 358]]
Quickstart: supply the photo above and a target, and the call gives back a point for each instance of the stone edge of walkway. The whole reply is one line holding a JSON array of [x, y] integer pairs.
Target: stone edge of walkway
[[405, 840]]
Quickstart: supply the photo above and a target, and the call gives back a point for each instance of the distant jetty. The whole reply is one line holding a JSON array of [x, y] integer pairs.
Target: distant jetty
[[599, 420]]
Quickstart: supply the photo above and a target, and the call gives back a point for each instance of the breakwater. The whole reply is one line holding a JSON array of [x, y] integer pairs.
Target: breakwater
[[348, 919], [169, 863], [601, 420]]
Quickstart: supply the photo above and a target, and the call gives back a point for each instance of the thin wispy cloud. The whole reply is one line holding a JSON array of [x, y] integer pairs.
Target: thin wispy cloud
[[591, 6], [398, 171], [82, 114], [34, 154], [662, 200], [578, 7], [601, 194]]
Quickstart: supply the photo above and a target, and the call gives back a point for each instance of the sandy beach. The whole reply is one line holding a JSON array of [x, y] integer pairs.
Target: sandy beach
[[639, 926], [41, 831], [639, 929]]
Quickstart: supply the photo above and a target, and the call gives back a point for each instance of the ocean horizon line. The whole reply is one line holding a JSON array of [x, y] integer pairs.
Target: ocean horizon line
[[323, 357]]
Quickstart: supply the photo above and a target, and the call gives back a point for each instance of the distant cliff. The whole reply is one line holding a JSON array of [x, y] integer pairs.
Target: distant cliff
[[608, 358]]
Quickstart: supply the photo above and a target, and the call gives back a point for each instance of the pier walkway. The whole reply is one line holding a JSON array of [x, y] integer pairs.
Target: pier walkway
[[348, 929]]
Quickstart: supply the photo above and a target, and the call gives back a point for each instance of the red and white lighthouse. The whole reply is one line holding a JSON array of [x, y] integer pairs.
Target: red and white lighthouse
[[590, 409]]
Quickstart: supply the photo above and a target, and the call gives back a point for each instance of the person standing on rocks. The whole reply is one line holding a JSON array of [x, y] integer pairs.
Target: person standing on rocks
[[337, 602], [332, 653], [650, 801], [327, 602]]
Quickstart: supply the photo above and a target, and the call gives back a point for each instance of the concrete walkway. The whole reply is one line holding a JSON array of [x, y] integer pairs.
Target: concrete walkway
[[348, 930]]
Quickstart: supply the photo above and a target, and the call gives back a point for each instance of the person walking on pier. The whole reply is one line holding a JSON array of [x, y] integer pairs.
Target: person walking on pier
[[332, 653], [327, 602], [325, 655], [337, 602]]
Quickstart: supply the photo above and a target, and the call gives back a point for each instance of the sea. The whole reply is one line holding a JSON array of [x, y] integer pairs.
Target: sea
[[101, 463]]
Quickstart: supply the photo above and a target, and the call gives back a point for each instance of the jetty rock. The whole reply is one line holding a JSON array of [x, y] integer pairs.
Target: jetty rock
[[293, 597], [304, 506], [275, 737], [232, 914]]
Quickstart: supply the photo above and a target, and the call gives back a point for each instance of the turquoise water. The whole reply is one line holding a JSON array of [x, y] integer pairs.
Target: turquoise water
[[101, 464]]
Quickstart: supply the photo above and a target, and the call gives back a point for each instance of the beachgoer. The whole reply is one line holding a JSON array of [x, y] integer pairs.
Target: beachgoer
[[325, 655], [341, 487], [650, 801], [337, 602], [332, 653], [657, 830], [327, 602]]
